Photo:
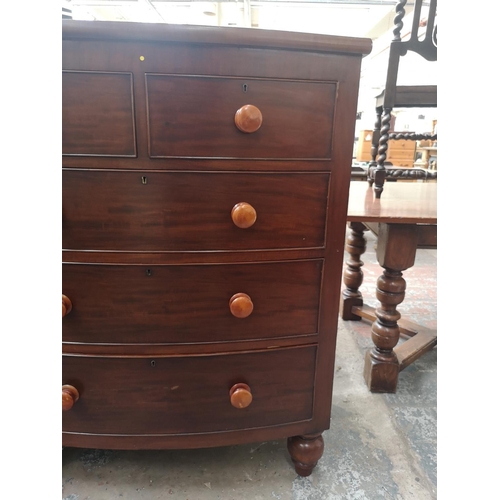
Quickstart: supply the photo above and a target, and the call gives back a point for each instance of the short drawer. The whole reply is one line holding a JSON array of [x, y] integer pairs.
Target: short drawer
[[400, 153], [98, 114], [190, 303], [401, 144], [163, 211], [172, 395], [194, 116]]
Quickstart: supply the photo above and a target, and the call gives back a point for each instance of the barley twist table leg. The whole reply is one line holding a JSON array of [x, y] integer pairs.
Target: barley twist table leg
[[374, 149]]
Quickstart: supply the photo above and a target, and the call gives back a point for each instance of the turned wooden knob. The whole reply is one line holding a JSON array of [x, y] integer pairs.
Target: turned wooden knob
[[241, 305], [66, 305], [70, 396], [248, 118], [243, 215], [241, 395]]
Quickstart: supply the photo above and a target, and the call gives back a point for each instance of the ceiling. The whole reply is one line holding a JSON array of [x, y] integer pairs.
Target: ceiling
[[359, 18], [347, 17]]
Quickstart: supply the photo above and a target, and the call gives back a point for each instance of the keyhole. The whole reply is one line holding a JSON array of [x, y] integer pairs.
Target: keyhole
[[245, 87], [144, 180], [149, 272], [153, 363]]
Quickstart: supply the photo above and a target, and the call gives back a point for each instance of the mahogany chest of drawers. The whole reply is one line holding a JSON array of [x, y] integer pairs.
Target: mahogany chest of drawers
[[204, 197]]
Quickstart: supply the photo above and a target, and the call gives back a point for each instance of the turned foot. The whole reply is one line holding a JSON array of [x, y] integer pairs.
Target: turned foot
[[305, 452], [381, 371]]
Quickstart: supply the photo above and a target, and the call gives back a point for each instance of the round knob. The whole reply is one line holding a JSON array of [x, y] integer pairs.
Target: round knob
[[70, 396], [66, 305], [243, 215], [241, 305], [248, 118], [241, 395]]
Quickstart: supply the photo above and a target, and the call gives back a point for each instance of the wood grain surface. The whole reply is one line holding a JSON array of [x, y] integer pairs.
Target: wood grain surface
[[161, 211], [169, 395], [184, 304]]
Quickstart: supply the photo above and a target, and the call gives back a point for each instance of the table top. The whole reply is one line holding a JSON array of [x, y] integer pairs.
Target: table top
[[400, 203]]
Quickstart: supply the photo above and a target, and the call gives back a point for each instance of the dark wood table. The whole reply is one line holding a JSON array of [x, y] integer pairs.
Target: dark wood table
[[404, 213]]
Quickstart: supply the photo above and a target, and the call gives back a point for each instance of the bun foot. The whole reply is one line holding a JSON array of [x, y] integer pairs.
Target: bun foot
[[305, 451]]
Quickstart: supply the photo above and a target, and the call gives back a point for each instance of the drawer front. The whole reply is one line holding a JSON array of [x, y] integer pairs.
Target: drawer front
[[193, 116], [400, 154], [160, 211], [97, 114], [191, 303], [405, 145], [172, 395]]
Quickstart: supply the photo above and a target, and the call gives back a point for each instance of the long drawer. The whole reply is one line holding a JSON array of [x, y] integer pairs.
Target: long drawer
[[164, 211], [190, 303], [169, 395]]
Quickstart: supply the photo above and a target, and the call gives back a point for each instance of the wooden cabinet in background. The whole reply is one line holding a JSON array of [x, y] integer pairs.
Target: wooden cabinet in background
[[364, 146], [400, 153]]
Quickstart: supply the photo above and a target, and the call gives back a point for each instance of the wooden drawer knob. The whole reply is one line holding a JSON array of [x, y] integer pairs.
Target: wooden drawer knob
[[66, 305], [241, 305], [241, 395], [70, 396], [248, 118], [243, 215]]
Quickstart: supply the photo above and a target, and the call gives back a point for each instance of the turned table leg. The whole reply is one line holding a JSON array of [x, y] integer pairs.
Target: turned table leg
[[396, 250], [353, 274], [305, 451]]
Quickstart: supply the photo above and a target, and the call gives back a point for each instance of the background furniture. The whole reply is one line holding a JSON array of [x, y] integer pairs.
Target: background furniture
[[400, 153], [364, 145], [406, 215], [428, 153], [205, 186], [394, 96], [399, 165]]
